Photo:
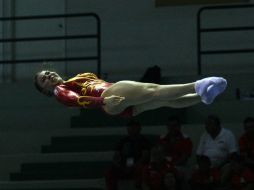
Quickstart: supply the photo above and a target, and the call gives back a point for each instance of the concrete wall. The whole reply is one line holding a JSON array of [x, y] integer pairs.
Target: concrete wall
[[135, 35]]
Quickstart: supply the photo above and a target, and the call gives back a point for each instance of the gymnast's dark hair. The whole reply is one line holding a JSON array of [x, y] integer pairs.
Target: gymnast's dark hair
[[39, 88]]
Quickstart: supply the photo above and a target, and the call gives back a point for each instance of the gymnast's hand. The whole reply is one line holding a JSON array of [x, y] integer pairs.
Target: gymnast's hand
[[113, 100]]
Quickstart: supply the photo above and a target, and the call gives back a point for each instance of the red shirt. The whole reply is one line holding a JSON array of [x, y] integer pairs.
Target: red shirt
[[240, 180], [84, 90], [246, 146], [153, 175], [177, 149], [213, 177]]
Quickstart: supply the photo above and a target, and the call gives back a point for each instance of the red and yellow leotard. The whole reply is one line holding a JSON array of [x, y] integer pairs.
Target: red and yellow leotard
[[83, 90]]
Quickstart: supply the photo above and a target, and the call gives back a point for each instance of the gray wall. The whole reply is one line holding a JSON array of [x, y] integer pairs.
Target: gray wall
[[135, 35]]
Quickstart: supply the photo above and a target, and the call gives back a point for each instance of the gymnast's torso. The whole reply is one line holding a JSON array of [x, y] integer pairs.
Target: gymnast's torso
[[87, 84], [86, 90], [83, 90]]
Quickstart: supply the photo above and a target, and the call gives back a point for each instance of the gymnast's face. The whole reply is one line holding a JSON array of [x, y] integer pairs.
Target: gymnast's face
[[47, 80]]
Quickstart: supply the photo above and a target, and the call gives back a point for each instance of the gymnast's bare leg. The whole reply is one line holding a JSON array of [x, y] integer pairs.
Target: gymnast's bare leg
[[182, 102], [179, 95], [136, 93]]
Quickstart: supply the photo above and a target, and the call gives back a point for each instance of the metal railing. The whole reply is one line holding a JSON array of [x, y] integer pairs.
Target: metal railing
[[201, 30], [96, 36]]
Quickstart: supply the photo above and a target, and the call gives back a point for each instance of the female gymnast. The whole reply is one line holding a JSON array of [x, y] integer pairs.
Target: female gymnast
[[126, 98]]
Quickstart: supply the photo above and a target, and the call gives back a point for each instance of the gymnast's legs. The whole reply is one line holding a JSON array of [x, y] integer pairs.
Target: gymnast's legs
[[138, 93], [182, 102]]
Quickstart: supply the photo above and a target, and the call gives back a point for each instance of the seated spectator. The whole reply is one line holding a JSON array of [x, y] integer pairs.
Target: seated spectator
[[170, 181], [217, 143], [204, 177], [131, 153], [237, 176], [177, 146], [160, 174], [246, 142]]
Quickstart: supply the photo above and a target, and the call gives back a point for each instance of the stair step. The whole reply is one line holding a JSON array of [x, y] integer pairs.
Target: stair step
[[98, 118], [86, 143], [61, 170], [84, 184], [55, 189], [52, 175]]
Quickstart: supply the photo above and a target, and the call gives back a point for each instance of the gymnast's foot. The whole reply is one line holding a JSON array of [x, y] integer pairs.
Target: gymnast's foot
[[218, 86], [202, 85]]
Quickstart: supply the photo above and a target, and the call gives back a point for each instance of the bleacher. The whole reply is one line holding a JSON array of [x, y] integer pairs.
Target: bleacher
[[76, 159]]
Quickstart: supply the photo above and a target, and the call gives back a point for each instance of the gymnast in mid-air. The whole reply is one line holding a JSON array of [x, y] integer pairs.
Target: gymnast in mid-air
[[126, 98]]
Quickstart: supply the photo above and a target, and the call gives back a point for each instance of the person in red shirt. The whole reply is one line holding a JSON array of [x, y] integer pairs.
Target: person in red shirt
[[246, 142], [238, 176], [87, 90], [204, 177], [170, 181], [157, 175], [177, 146]]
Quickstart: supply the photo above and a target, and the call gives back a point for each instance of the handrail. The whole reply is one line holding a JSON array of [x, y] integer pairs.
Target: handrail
[[96, 35], [219, 29]]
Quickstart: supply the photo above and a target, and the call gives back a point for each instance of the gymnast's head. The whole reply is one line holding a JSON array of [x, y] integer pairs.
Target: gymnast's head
[[45, 81]]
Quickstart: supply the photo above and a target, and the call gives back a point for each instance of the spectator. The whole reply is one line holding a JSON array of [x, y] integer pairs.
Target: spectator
[[160, 174], [237, 175], [131, 153], [170, 181], [177, 146], [246, 142], [217, 143], [204, 177]]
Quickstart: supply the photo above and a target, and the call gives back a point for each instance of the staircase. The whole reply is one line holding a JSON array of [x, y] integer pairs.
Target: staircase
[[74, 158]]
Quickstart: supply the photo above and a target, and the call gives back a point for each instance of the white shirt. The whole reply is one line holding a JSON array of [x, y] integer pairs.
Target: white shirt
[[219, 148]]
